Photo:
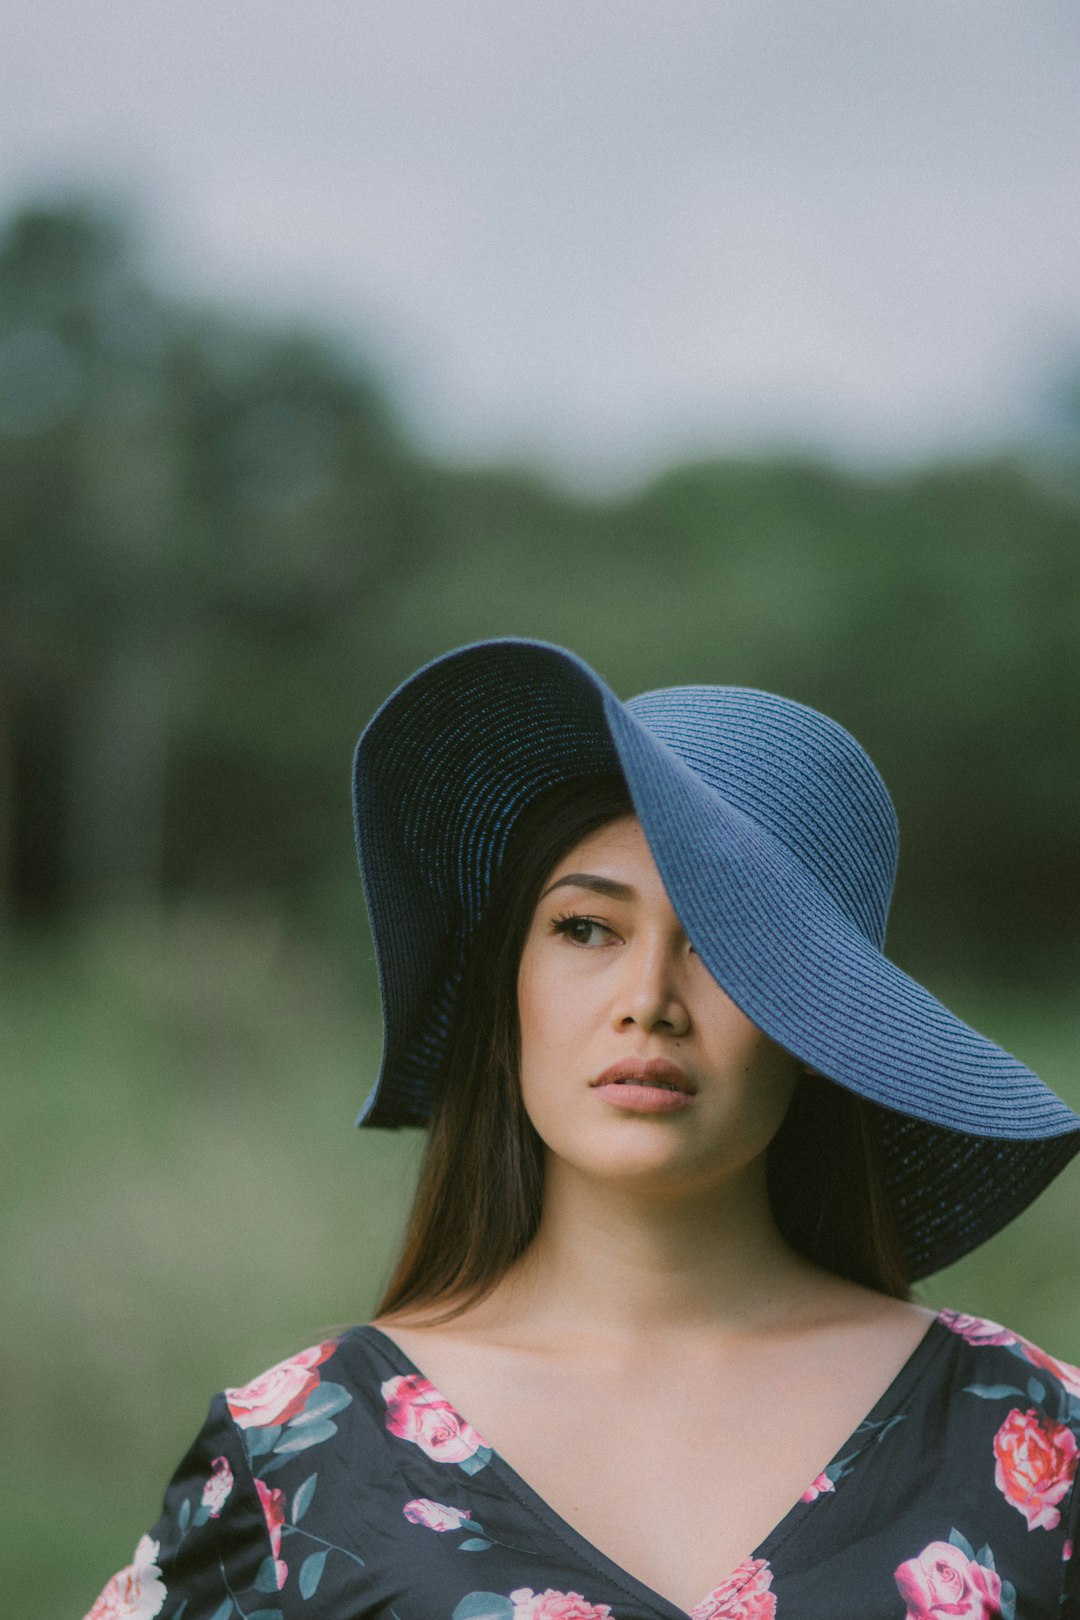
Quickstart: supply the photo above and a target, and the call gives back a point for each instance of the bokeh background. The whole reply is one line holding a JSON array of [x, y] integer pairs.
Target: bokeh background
[[718, 345]]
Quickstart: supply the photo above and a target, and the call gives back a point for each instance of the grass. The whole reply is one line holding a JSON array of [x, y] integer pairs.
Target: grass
[[186, 1202]]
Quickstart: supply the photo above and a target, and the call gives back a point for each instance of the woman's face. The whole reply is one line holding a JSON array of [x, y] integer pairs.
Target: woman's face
[[607, 974]]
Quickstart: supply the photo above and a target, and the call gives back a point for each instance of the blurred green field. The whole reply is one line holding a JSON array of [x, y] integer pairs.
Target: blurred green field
[[186, 1202]]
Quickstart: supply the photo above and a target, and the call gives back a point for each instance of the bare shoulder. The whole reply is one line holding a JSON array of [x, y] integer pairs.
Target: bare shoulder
[[844, 1319], [419, 1333], [849, 1305], [840, 1325]]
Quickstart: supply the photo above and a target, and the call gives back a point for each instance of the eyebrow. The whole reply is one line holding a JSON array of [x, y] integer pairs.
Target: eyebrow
[[601, 885]]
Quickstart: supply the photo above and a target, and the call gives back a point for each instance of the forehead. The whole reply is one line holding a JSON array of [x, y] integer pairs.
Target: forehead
[[619, 848], [615, 864]]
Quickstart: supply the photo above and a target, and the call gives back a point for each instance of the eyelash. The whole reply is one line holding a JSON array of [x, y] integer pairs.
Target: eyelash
[[565, 921]]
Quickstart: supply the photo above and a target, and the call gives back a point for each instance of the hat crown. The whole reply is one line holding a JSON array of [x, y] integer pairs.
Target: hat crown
[[798, 774]]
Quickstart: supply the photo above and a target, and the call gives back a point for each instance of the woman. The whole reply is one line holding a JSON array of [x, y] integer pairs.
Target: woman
[[649, 1349]]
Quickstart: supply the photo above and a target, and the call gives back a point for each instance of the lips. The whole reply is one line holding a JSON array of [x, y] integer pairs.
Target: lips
[[642, 1070]]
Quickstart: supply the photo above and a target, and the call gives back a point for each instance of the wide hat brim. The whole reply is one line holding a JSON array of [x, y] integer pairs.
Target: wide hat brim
[[969, 1134]]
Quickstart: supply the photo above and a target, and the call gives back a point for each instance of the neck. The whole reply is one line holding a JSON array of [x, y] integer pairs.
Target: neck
[[620, 1267]]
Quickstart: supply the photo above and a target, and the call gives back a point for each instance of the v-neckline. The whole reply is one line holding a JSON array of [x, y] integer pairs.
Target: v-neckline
[[891, 1398]]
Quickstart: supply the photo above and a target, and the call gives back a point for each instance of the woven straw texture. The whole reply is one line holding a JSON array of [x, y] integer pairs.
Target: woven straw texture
[[777, 843]]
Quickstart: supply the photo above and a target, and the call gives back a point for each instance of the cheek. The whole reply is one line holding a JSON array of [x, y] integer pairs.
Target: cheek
[[549, 997], [542, 1031], [776, 1079], [533, 1025], [552, 1039], [762, 1077], [784, 1090], [526, 1006]]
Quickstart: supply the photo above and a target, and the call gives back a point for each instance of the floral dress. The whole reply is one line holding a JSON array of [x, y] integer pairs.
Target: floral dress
[[341, 1485]]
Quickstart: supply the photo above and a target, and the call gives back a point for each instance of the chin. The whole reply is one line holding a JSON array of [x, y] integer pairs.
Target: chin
[[620, 1161]]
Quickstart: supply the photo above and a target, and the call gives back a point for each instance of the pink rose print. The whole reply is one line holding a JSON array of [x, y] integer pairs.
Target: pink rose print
[[280, 1392], [744, 1595], [1066, 1551], [416, 1411], [976, 1329], [1036, 1464], [434, 1515], [134, 1593], [216, 1490], [1064, 1371], [821, 1484], [552, 1605], [980, 1330], [273, 1506], [942, 1580]]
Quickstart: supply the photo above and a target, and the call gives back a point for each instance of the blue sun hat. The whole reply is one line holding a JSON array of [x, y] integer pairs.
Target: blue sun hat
[[776, 840]]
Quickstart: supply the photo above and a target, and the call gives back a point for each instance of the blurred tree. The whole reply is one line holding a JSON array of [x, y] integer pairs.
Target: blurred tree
[[219, 552], [936, 613], [183, 496]]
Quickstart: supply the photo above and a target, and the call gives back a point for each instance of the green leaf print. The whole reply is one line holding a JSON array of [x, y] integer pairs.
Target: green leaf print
[[961, 1541], [311, 1573], [323, 1402], [484, 1606], [310, 1434], [479, 1459], [260, 1441], [266, 1579], [302, 1500]]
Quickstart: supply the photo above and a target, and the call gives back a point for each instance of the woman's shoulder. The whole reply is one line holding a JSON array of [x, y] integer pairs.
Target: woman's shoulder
[[304, 1392], [271, 1452], [1026, 1403], [1014, 1354], [282, 1391]]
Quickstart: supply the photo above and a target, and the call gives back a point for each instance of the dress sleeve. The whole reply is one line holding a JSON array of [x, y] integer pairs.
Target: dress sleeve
[[211, 1555]]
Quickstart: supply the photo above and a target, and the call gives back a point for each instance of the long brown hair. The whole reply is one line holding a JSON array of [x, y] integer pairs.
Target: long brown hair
[[481, 1184]]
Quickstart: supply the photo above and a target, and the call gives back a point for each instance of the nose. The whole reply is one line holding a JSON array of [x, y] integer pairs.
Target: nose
[[650, 992]]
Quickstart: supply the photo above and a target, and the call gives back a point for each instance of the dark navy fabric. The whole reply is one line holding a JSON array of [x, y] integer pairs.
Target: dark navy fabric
[[340, 1485]]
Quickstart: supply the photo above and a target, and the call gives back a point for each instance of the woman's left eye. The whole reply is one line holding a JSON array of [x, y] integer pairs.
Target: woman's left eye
[[574, 927]]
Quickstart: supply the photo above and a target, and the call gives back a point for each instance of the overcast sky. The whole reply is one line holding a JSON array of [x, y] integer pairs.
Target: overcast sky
[[598, 233]]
